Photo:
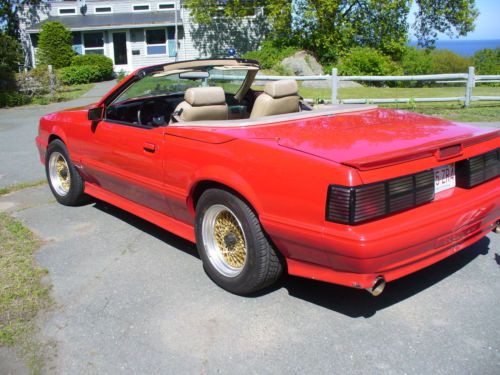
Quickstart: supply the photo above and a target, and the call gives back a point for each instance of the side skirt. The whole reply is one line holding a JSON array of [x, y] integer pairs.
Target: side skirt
[[183, 230]]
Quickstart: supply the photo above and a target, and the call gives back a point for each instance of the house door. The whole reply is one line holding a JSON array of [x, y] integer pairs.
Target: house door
[[120, 48]]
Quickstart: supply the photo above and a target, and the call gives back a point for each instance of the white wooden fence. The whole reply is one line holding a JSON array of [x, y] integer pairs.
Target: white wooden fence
[[469, 78]]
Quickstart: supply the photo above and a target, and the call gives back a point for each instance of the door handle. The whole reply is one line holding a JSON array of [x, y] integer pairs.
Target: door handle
[[149, 147]]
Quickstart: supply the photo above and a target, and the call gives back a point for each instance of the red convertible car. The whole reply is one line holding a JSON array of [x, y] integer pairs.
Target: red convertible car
[[263, 183]]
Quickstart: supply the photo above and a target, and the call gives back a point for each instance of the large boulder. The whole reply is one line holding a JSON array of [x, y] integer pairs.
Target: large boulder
[[302, 64]]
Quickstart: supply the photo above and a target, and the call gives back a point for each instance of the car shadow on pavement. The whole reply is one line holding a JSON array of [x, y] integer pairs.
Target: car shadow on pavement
[[497, 259], [359, 303], [351, 302], [147, 227]]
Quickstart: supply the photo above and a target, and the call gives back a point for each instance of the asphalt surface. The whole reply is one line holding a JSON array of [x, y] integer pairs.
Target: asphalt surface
[[132, 298], [18, 129]]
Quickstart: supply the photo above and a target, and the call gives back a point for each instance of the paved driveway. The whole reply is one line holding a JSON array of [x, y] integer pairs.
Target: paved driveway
[[132, 298], [18, 129]]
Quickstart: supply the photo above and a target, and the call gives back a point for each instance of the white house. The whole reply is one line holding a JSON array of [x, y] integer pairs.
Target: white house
[[136, 33]]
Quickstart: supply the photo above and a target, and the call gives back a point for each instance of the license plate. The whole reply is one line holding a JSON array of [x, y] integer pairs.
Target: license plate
[[444, 177]]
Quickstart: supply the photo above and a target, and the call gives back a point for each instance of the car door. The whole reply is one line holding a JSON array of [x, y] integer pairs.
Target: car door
[[127, 160]]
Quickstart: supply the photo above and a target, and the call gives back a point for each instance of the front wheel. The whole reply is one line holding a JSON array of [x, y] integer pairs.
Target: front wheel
[[233, 247], [64, 180]]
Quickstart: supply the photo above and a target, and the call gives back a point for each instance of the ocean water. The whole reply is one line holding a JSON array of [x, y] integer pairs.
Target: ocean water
[[465, 47]]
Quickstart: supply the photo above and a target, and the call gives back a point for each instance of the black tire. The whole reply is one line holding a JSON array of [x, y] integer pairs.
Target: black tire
[[262, 266], [75, 195]]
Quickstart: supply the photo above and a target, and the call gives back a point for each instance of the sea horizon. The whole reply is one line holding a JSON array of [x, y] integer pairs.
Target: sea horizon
[[465, 48]]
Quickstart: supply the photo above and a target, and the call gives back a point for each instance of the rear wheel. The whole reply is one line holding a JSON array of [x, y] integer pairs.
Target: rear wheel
[[233, 247], [64, 180]]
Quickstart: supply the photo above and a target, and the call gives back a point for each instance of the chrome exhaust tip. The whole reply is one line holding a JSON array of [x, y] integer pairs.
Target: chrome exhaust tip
[[497, 228], [377, 287]]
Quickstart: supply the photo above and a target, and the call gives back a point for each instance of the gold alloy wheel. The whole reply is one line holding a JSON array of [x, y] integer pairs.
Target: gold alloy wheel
[[224, 240], [60, 177]]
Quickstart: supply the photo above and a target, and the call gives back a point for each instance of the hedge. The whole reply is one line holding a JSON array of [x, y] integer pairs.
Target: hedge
[[75, 75], [102, 63], [13, 99]]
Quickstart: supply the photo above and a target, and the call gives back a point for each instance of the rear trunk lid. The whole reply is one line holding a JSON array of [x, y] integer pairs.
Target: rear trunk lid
[[381, 137]]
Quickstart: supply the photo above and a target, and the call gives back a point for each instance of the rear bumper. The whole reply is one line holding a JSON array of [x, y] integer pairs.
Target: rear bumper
[[394, 246]]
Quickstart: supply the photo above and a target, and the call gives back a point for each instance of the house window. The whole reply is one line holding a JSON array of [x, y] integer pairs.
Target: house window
[[166, 6], [103, 10], [141, 7], [67, 11], [93, 43], [156, 42]]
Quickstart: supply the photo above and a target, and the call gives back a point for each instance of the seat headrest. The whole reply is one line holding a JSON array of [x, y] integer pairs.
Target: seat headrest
[[200, 96], [278, 89]]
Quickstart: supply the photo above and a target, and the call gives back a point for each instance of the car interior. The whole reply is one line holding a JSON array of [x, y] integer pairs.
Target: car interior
[[203, 93]]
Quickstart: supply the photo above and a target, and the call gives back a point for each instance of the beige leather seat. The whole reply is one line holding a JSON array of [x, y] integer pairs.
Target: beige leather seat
[[279, 97], [203, 103]]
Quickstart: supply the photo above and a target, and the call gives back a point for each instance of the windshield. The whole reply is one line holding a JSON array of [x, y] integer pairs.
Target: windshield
[[177, 82]]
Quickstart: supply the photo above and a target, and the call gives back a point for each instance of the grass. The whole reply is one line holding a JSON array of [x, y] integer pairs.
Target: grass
[[479, 111], [22, 293], [63, 94], [12, 188]]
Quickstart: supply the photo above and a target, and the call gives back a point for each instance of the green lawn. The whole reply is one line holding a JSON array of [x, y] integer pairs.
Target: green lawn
[[478, 112], [396, 92], [22, 292], [63, 94]]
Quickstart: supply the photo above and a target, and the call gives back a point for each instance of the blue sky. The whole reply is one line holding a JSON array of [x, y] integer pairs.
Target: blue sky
[[487, 24]]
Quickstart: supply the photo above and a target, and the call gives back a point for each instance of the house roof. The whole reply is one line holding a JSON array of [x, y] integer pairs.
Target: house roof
[[111, 21]]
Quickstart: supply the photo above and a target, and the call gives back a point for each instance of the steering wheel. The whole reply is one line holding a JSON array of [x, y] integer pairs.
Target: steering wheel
[[152, 112]]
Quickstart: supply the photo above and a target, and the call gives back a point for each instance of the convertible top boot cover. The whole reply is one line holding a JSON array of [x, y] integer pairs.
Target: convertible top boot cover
[[203, 103], [279, 97]]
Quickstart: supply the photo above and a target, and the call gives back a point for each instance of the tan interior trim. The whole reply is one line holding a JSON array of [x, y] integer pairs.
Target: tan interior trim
[[196, 64], [324, 111]]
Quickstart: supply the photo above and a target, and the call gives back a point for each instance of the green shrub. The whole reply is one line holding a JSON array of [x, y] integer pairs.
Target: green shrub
[[446, 61], [120, 76], [75, 75], [10, 53], [270, 55], [7, 78], [54, 45], [35, 81], [487, 61], [13, 99], [102, 63], [416, 61], [367, 61]]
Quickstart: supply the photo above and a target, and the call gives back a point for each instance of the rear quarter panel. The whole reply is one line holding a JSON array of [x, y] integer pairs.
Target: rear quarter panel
[[285, 187]]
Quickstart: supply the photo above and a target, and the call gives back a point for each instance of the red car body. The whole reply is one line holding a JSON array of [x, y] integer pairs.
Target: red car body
[[283, 169]]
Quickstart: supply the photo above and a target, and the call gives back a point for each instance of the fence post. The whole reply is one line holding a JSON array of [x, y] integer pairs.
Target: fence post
[[51, 80], [469, 86], [335, 86]]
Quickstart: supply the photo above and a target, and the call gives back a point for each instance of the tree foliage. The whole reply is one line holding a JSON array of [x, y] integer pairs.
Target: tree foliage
[[9, 9], [329, 28], [487, 61], [367, 61], [445, 61], [54, 45], [10, 53]]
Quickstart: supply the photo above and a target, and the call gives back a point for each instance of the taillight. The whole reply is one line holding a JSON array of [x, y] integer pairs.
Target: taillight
[[474, 171], [354, 205]]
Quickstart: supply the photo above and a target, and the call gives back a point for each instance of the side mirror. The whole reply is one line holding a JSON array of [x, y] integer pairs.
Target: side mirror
[[96, 113]]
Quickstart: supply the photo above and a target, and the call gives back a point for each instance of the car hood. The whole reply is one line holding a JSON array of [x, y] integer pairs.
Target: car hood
[[380, 137]]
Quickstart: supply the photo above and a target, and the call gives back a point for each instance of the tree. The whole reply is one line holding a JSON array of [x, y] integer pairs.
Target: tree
[[10, 53], [329, 28], [54, 45], [9, 9], [487, 61]]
